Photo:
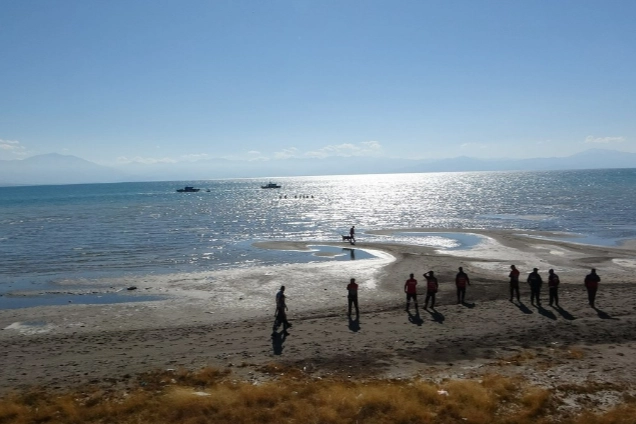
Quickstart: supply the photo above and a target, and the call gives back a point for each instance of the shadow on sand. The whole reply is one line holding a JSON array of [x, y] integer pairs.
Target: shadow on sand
[[354, 324], [278, 339], [468, 305], [603, 314], [522, 307], [546, 313], [565, 314], [415, 319], [437, 316]]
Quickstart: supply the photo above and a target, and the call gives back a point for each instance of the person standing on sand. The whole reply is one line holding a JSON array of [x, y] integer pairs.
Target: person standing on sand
[[591, 284], [352, 233], [410, 288], [535, 281], [281, 311], [352, 287], [461, 279], [553, 287], [514, 282], [431, 289]]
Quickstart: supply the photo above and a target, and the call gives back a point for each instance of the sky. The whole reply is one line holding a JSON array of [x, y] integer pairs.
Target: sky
[[169, 81]]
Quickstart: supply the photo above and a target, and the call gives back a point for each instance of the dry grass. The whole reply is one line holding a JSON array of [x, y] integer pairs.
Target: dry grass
[[574, 353], [212, 396], [518, 358]]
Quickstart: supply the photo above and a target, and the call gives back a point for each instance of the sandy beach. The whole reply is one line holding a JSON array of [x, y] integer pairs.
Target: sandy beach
[[193, 326]]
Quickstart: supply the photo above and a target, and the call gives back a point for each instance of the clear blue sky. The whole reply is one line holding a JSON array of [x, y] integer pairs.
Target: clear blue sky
[[176, 80]]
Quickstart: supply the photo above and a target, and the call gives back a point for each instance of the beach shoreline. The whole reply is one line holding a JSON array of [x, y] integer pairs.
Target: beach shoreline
[[61, 346]]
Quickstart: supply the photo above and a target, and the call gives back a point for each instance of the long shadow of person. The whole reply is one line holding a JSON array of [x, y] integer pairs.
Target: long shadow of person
[[546, 313], [565, 314], [278, 339], [415, 319], [437, 316], [603, 314], [354, 324], [523, 308]]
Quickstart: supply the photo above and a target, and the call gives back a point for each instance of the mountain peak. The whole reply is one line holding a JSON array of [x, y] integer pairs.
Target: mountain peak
[[55, 158], [595, 151]]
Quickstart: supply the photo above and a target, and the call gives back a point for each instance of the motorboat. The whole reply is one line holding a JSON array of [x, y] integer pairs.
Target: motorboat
[[271, 185], [188, 189]]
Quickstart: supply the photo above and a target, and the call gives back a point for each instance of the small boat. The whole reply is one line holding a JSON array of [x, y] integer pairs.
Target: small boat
[[188, 189], [271, 185]]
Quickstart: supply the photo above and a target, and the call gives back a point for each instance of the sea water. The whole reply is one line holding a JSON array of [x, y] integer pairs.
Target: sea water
[[80, 233]]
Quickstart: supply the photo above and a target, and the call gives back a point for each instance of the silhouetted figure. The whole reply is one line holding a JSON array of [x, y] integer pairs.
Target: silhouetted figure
[[514, 283], [410, 288], [461, 280], [431, 289], [535, 281], [591, 284], [281, 312], [352, 288], [553, 287], [352, 233]]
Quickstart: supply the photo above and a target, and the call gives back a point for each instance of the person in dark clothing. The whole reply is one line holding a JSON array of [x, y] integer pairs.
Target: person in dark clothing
[[514, 282], [431, 289], [352, 233], [281, 311], [553, 287], [591, 284], [461, 280], [410, 288], [535, 281], [352, 288]]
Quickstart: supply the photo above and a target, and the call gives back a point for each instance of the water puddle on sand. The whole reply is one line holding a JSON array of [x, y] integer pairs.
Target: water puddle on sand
[[339, 253], [628, 263], [30, 327], [443, 241], [8, 301], [574, 238]]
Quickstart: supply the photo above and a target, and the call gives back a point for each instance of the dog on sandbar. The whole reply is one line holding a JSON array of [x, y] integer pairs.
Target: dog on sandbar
[[350, 239]]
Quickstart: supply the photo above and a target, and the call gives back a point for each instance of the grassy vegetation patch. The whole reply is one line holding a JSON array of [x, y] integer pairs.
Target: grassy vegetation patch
[[214, 396]]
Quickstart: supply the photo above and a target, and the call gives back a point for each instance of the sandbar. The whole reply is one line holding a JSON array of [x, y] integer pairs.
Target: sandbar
[[224, 319]]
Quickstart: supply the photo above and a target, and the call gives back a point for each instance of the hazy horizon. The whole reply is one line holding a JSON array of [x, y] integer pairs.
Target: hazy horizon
[[68, 169]]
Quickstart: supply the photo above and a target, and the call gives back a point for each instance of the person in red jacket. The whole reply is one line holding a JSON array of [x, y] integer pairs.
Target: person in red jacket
[[591, 283], [431, 289], [410, 288], [352, 289], [553, 287], [461, 280], [514, 282]]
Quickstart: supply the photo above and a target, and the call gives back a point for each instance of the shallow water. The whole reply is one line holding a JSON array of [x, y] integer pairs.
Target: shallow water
[[79, 234]]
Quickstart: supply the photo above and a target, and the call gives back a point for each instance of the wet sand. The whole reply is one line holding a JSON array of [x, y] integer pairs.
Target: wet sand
[[62, 346]]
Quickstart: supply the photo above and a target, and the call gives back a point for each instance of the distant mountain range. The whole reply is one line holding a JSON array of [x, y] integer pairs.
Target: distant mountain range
[[65, 169]]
